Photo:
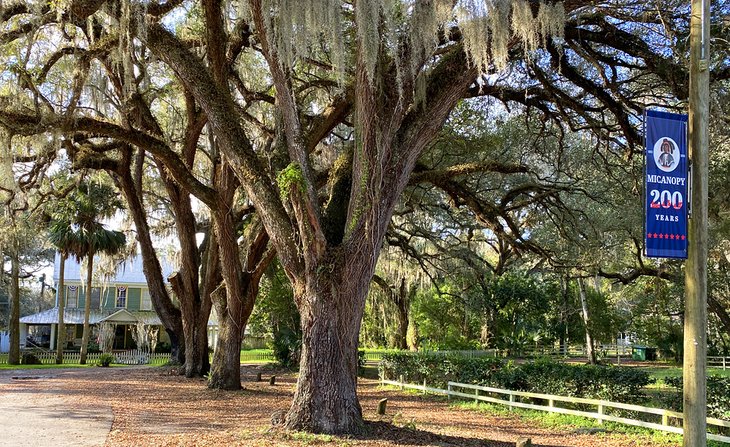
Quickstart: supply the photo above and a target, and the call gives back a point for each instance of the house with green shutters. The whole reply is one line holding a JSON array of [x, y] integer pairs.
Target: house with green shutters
[[123, 300]]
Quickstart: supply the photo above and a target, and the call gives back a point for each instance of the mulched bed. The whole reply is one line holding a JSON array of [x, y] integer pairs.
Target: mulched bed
[[157, 407]]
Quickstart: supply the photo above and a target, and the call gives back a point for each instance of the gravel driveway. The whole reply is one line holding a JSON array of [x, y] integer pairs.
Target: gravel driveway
[[46, 415]]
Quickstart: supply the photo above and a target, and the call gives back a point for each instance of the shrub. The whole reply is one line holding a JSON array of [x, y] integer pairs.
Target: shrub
[[163, 348], [29, 358], [718, 396], [287, 346], [618, 384], [436, 369], [105, 360]]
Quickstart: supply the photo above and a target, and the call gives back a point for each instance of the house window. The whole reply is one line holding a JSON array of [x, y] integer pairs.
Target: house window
[[121, 296], [145, 300], [95, 298], [72, 297]]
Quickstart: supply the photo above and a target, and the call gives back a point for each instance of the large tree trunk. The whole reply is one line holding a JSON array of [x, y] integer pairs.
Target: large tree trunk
[[194, 305], [170, 316], [235, 301], [14, 323], [195, 330], [61, 293], [326, 396], [233, 312], [87, 308], [225, 370], [590, 348]]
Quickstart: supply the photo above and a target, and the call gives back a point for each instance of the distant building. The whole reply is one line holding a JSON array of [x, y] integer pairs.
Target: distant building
[[123, 300]]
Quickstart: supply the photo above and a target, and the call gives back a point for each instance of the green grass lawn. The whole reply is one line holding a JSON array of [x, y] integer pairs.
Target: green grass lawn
[[641, 436], [660, 372]]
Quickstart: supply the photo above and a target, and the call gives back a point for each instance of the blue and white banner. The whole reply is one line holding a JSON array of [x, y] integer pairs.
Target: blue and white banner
[[666, 185]]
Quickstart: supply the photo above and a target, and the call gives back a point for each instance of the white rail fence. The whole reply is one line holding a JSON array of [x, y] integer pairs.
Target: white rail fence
[[130, 357], [718, 362], [515, 399]]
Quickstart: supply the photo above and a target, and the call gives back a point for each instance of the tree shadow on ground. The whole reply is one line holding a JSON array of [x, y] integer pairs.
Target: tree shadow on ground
[[411, 436]]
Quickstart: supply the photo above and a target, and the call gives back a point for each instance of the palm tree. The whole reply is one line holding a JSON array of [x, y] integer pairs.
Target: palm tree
[[79, 232], [96, 239], [65, 239]]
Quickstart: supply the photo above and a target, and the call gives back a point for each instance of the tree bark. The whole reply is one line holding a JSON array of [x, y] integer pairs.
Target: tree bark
[[590, 348], [61, 292], [225, 372], [325, 400], [87, 308], [235, 301], [194, 306], [14, 323]]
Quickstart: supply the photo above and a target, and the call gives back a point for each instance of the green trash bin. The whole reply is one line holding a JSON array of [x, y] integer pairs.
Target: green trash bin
[[638, 353]]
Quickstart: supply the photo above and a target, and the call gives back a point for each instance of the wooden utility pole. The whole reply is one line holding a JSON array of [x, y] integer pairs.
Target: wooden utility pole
[[695, 312]]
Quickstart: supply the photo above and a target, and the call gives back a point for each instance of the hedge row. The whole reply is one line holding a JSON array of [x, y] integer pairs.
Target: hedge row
[[718, 396], [612, 383], [617, 384], [436, 369]]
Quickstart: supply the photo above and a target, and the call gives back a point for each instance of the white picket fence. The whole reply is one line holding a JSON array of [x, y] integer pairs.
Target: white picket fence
[[129, 357], [515, 399]]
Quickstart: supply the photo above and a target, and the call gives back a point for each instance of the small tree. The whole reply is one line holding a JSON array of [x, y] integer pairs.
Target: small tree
[[140, 335], [105, 337], [152, 333]]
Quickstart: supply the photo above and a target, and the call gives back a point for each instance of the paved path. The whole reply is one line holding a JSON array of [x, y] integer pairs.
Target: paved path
[[45, 417]]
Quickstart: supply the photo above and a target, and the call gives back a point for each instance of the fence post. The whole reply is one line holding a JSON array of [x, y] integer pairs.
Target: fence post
[[551, 403], [665, 419], [424, 386], [511, 399], [724, 363], [476, 396], [600, 412], [400, 381]]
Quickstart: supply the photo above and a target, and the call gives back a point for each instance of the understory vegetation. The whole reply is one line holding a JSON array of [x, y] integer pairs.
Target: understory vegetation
[[611, 383]]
